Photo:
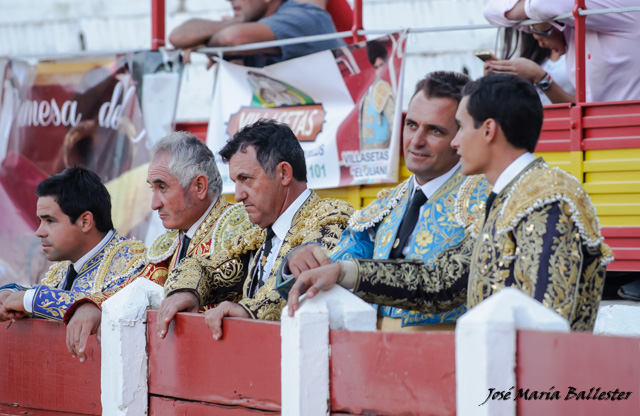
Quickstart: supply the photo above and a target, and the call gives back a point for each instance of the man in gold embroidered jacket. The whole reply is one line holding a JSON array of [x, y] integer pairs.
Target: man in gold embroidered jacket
[[76, 231], [373, 232], [267, 164], [186, 188], [541, 233]]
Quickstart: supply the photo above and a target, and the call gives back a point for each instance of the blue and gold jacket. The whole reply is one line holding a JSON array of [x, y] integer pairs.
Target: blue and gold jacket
[[372, 232], [116, 261]]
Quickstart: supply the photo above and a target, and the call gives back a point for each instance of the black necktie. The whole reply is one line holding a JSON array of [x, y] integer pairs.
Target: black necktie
[[184, 246], [492, 197], [258, 279], [408, 224], [71, 276]]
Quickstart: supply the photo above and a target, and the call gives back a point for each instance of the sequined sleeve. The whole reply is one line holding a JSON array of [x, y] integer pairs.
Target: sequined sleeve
[[214, 278], [428, 288], [550, 261]]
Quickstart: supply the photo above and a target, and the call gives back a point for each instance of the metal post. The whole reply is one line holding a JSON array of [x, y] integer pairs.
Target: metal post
[[580, 51], [157, 24], [357, 19]]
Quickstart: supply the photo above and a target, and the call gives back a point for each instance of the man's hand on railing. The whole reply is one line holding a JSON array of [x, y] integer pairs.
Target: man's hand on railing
[[213, 317], [311, 282], [85, 322], [12, 307], [171, 305]]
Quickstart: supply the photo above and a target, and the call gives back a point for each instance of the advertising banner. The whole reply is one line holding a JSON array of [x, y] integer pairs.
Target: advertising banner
[[343, 105], [82, 111]]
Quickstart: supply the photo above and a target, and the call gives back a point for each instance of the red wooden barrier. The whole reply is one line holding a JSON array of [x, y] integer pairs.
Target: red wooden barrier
[[38, 375], [584, 362], [241, 370], [393, 373]]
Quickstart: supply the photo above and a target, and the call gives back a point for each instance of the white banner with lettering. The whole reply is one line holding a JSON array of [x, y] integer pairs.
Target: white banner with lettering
[[343, 105]]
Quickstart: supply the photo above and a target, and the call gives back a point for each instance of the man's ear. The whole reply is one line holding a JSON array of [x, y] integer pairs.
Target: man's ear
[[284, 173], [490, 130], [201, 185], [86, 221]]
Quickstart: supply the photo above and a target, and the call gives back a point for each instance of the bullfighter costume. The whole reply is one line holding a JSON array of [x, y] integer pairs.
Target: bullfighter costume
[[541, 236], [236, 272]]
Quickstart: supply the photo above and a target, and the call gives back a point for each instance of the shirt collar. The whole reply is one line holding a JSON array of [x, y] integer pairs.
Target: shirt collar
[[512, 171], [80, 263], [283, 223], [434, 184], [192, 230]]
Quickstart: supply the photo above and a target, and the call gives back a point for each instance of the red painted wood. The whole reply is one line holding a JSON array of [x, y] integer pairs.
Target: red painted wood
[[6, 410], [614, 125], [37, 371], [625, 243], [393, 373], [197, 128], [554, 136], [582, 361], [161, 406], [243, 368]]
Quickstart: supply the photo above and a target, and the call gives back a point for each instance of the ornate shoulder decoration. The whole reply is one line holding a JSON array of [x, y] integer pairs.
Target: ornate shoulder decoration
[[542, 185], [245, 242], [471, 203], [163, 247], [233, 222], [56, 273], [317, 213], [386, 201], [121, 260]]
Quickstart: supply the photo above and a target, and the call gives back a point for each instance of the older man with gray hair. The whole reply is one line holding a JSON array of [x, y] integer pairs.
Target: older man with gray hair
[[187, 188]]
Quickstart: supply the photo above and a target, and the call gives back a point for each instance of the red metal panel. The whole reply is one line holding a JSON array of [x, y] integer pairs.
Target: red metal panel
[[243, 368], [582, 361], [625, 243], [393, 373], [613, 125], [197, 128], [554, 136], [579, 40], [161, 406], [38, 373]]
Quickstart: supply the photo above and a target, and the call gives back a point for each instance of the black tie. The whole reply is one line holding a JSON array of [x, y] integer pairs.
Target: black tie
[[492, 197], [184, 246], [71, 276], [408, 224], [258, 280]]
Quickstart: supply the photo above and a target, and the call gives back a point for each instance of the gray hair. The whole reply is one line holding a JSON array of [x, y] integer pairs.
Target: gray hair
[[190, 157]]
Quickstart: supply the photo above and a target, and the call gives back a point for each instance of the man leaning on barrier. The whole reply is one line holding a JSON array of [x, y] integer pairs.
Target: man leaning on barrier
[[187, 188], [76, 231], [267, 164], [260, 21], [417, 219], [540, 232]]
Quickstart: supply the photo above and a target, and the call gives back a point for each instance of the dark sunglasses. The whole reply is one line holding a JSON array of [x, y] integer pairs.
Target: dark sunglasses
[[541, 33]]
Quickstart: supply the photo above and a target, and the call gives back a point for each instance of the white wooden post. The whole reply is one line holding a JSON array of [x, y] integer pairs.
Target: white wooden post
[[621, 319], [124, 371], [305, 347], [486, 349]]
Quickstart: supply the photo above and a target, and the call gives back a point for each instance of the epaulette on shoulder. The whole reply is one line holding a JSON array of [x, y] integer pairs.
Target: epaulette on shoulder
[[386, 200], [543, 185], [163, 247], [56, 272], [121, 260], [471, 202], [233, 223]]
